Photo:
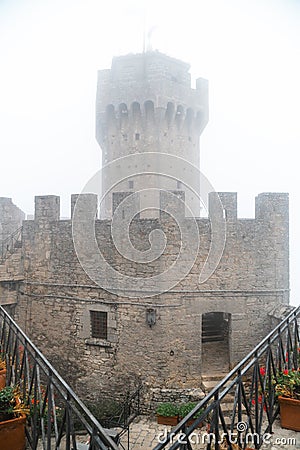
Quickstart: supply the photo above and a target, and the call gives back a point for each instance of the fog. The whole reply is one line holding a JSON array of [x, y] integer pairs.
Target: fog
[[248, 50]]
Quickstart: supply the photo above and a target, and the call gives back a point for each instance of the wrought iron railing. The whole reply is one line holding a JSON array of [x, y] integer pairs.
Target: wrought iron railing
[[122, 415], [250, 387], [58, 419], [9, 245]]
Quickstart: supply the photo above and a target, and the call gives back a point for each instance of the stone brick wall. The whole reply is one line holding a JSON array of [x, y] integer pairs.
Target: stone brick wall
[[56, 297], [11, 217], [11, 264], [146, 107]]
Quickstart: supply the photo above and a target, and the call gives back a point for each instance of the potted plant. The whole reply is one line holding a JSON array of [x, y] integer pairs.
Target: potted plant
[[12, 420], [287, 388], [167, 414], [185, 409]]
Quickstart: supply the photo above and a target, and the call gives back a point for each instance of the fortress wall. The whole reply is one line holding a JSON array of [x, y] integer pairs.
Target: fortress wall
[[11, 217], [56, 299]]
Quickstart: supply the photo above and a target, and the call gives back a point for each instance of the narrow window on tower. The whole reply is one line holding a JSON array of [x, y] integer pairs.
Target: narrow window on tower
[[130, 184], [137, 136], [98, 324], [179, 184]]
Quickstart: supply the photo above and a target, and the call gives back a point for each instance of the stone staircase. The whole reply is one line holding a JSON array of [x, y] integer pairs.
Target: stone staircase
[[213, 327], [208, 383]]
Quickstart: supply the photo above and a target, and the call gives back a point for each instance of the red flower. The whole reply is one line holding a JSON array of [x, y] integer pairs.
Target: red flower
[[260, 400], [285, 372], [262, 371]]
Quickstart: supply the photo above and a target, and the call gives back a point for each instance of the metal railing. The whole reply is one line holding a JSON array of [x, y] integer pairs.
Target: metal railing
[[122, 414], [9, 245], [58, 419], [250, 387]]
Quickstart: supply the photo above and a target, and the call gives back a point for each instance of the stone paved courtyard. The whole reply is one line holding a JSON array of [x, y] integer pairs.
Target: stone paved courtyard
[[145, 434]]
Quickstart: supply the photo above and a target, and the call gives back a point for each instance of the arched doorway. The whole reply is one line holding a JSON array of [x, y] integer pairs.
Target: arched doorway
[[216, 332]]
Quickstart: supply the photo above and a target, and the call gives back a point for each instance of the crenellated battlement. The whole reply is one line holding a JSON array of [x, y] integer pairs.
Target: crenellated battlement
[[137, 128], [147, 114], [47, 208], [253, 253], [268, 206]]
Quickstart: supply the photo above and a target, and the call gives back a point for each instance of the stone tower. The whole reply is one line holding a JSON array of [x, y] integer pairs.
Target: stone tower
[[145, 103], [142, 312]]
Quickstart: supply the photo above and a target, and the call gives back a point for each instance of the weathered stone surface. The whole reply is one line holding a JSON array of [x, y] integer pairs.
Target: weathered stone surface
[[146, 106], [11, 217], [58, 295]]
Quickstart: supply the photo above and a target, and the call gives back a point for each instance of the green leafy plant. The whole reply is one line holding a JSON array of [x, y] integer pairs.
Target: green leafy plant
[[287, 383], [167, 409], [7, 403], [186, 408], [10, 403], [108, 412]]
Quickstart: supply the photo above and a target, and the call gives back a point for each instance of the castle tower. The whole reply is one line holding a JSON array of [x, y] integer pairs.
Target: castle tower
[[145, 103]]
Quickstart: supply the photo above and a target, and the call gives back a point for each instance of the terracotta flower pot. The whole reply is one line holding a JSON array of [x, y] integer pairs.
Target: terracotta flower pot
[[191, 421], [289, 413], [2, 378], [12, 433], [167, 420]]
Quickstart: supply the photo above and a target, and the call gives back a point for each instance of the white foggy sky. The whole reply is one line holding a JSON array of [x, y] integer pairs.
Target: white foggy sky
[[249, 50]]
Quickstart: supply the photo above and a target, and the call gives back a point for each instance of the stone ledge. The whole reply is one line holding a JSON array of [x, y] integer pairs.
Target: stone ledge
[[97, 342]]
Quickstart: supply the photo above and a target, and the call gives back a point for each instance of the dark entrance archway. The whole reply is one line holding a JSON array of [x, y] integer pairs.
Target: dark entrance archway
[[216, 332]]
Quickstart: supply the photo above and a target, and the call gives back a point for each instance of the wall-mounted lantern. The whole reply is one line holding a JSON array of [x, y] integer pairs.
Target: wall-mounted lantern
[[150, 317]]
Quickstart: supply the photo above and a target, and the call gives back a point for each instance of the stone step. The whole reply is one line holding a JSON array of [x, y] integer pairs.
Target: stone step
[[214, 376], [215, 338], [227, 406], [209, 384], [209, 329]]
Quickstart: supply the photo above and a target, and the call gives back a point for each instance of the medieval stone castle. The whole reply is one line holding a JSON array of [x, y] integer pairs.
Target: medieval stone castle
[[102, 336]]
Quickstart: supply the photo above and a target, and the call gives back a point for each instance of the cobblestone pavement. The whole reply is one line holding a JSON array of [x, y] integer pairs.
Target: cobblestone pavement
[[145, 434]]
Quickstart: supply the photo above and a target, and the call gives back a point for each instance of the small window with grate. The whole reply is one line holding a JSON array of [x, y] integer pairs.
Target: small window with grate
[[98, 324]]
